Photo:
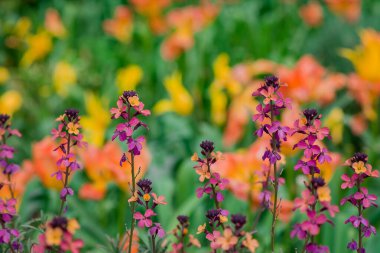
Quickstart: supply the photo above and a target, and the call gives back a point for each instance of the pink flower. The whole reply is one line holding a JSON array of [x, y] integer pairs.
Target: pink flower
[[356, 221], [312, 225], [135, 145], [306, 166], [144, 220], [304, 202], [69, 244], [349, 182], [269, 95], [308, 145], [262, 113], [158, 200], [320, 132], [367, 199], [212, 237], [117, 112], [57, 133]]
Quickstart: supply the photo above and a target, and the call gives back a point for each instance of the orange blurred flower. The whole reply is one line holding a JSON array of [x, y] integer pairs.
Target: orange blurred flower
[[121, 25], [312, 13], [185, 22], [124, 242], [44, 162], [53, 23], [348, 9], [153, 10], [102, 167], [308, 81]]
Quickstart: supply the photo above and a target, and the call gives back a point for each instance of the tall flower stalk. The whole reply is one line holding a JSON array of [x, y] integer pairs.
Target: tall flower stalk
[[129, 107], [267, 112], [361, 199], [316, 199], [69, 137], [8, 234]]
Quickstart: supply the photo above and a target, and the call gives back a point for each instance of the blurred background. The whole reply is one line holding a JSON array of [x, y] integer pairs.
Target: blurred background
[[195, 65]]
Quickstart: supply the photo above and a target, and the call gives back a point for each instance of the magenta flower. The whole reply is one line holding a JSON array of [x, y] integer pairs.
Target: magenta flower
[[157, 230], [281, 131], [312, 225], [120, 110], [135, 145], [262, 113], [367, 199], [317, 130], [349, 182], [308, 146], [304, 202], [144, 220], [299, 232], [356, 221], [306, 167], [65, 192]]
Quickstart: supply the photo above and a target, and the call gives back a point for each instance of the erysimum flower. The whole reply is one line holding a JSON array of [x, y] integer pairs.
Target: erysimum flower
[[121, 25], [227, 240], [128, 77], [53, 23], [64, 77], [11, 101], [39, 45]]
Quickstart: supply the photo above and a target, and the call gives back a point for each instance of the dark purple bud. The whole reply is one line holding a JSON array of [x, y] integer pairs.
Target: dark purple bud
[[359, 157], [145, 185], [238, 220], [183, 220], [3, 119], [72, 115], [272, 81], [310, 115], [207, 147], [59, 222], [318, 182]]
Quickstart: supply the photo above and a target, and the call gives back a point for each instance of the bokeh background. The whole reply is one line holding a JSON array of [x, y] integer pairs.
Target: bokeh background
[[195, 65]]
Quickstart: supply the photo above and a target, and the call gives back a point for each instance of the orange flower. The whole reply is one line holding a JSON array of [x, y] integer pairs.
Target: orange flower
[[92, 191], [53, 23], [250, 243], [102, 167], [44, 161], [228, 240], [194, 241], [312, 13], [201, 228], [359, 167], [324, 194], [349, 9], [73, 128], [124, 242], [121, 25]]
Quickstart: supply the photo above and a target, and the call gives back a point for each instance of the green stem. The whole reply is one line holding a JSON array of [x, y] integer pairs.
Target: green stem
[[133, 203]]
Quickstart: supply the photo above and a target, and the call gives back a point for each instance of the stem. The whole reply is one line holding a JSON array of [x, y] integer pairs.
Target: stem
[[153, 244], [306, 241], [133, 203], [360, 211], [274, 214], [67, 173]]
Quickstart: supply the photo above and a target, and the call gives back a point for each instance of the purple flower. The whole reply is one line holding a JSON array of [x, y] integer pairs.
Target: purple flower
[[135, 145], [308, 145], [66, 191], [157, 230], [278, 130], [262, 113], [352, 245], [367, 231], [314, 248], [272, 156], [305, 166], [324, 157], [299, 232], [356, 221], [366, 199], [144, 220]]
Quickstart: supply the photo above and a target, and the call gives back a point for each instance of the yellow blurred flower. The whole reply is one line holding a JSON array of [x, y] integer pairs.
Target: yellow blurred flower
[[180, 100], [334, 121], [73, 226], [96, 121], [64, 76], [127, 78], [22, 27], [324, 194], [366, 57], [10, 101], [4, 75], [53, 236], [39, 45], [223, 80]]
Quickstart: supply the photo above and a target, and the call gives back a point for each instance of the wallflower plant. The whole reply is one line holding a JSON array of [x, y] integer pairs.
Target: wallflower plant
[[9, 235], [361, 199], [267, 112], [316, 199], [129, 108]]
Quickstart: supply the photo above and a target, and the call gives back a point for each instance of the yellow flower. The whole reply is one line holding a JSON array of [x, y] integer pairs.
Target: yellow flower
[[194, 157], [134, 101], [366, 57], [334, 121], [73, 128], [359, 167], [223, 219], [73, 226], [53, 236], [180, 100], [4, 75], [201, 228], [96, 121], [22, 27], [127, 78], [39, 45], [324, 194], [218, 105], [64, 76], [223, 74], [10, 101]]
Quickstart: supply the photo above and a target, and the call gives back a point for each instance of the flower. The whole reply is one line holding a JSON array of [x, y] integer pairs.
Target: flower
[[53, 23], [159, 200], [121, 25], [180, 100], [359, 167], [156, 229], [201, 228], [348, 9], [73, 128], [194, 241], [53, 236], [11, 101], [97, 119], [39, 45], [250, 243], [228, 240], [4, 75], [324, 194], [128, 77], [64, 77], [312, 13], [334, 121], [144, 220]]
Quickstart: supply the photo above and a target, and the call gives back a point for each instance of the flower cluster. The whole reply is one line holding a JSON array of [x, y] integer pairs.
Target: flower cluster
[[149, 201], [128, 108], [316, 197], [8, 235], [181, 232], [69, 137], [361, 199], [59, 237], [214, 184], [272, 103]]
